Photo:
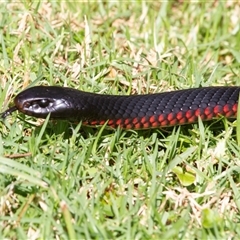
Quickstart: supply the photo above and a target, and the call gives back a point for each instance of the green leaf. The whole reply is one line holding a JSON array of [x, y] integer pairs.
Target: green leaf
[[209, 218], [186, 177]]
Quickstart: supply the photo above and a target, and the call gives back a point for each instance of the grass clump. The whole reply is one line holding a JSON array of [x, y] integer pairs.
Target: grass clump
[[60, 180]]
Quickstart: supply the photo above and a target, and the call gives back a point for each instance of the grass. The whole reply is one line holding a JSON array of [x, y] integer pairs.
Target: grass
[[64, 181]]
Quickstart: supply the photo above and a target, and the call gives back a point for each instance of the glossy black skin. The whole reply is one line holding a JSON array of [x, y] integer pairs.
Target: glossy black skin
[[40, 101], [72, 104]]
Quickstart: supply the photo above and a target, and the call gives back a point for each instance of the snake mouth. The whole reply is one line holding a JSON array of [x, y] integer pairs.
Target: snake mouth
[[38, 107]]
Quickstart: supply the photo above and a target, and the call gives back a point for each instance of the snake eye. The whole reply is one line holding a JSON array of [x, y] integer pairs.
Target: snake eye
[[43, 103]]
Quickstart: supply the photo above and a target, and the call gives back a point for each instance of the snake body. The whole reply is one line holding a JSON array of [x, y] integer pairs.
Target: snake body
[[128, 112]]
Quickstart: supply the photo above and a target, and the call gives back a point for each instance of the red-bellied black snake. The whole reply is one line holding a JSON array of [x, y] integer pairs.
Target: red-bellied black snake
[[129, 112]]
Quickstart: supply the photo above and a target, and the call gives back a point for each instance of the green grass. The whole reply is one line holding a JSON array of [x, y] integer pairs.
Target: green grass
[[64, 181]]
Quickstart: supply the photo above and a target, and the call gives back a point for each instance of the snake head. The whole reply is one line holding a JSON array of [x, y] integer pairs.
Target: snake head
[[40, 101]]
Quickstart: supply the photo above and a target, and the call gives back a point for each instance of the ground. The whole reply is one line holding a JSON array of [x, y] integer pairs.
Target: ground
[[62, 180]]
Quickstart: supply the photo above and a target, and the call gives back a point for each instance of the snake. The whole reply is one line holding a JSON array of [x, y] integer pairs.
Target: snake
[[142, 111]]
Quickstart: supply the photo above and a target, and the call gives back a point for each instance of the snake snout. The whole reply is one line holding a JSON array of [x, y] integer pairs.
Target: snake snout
[[19, 103]]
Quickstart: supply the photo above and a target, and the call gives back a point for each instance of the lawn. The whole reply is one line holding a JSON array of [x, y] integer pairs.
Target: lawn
[[62, 180]]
